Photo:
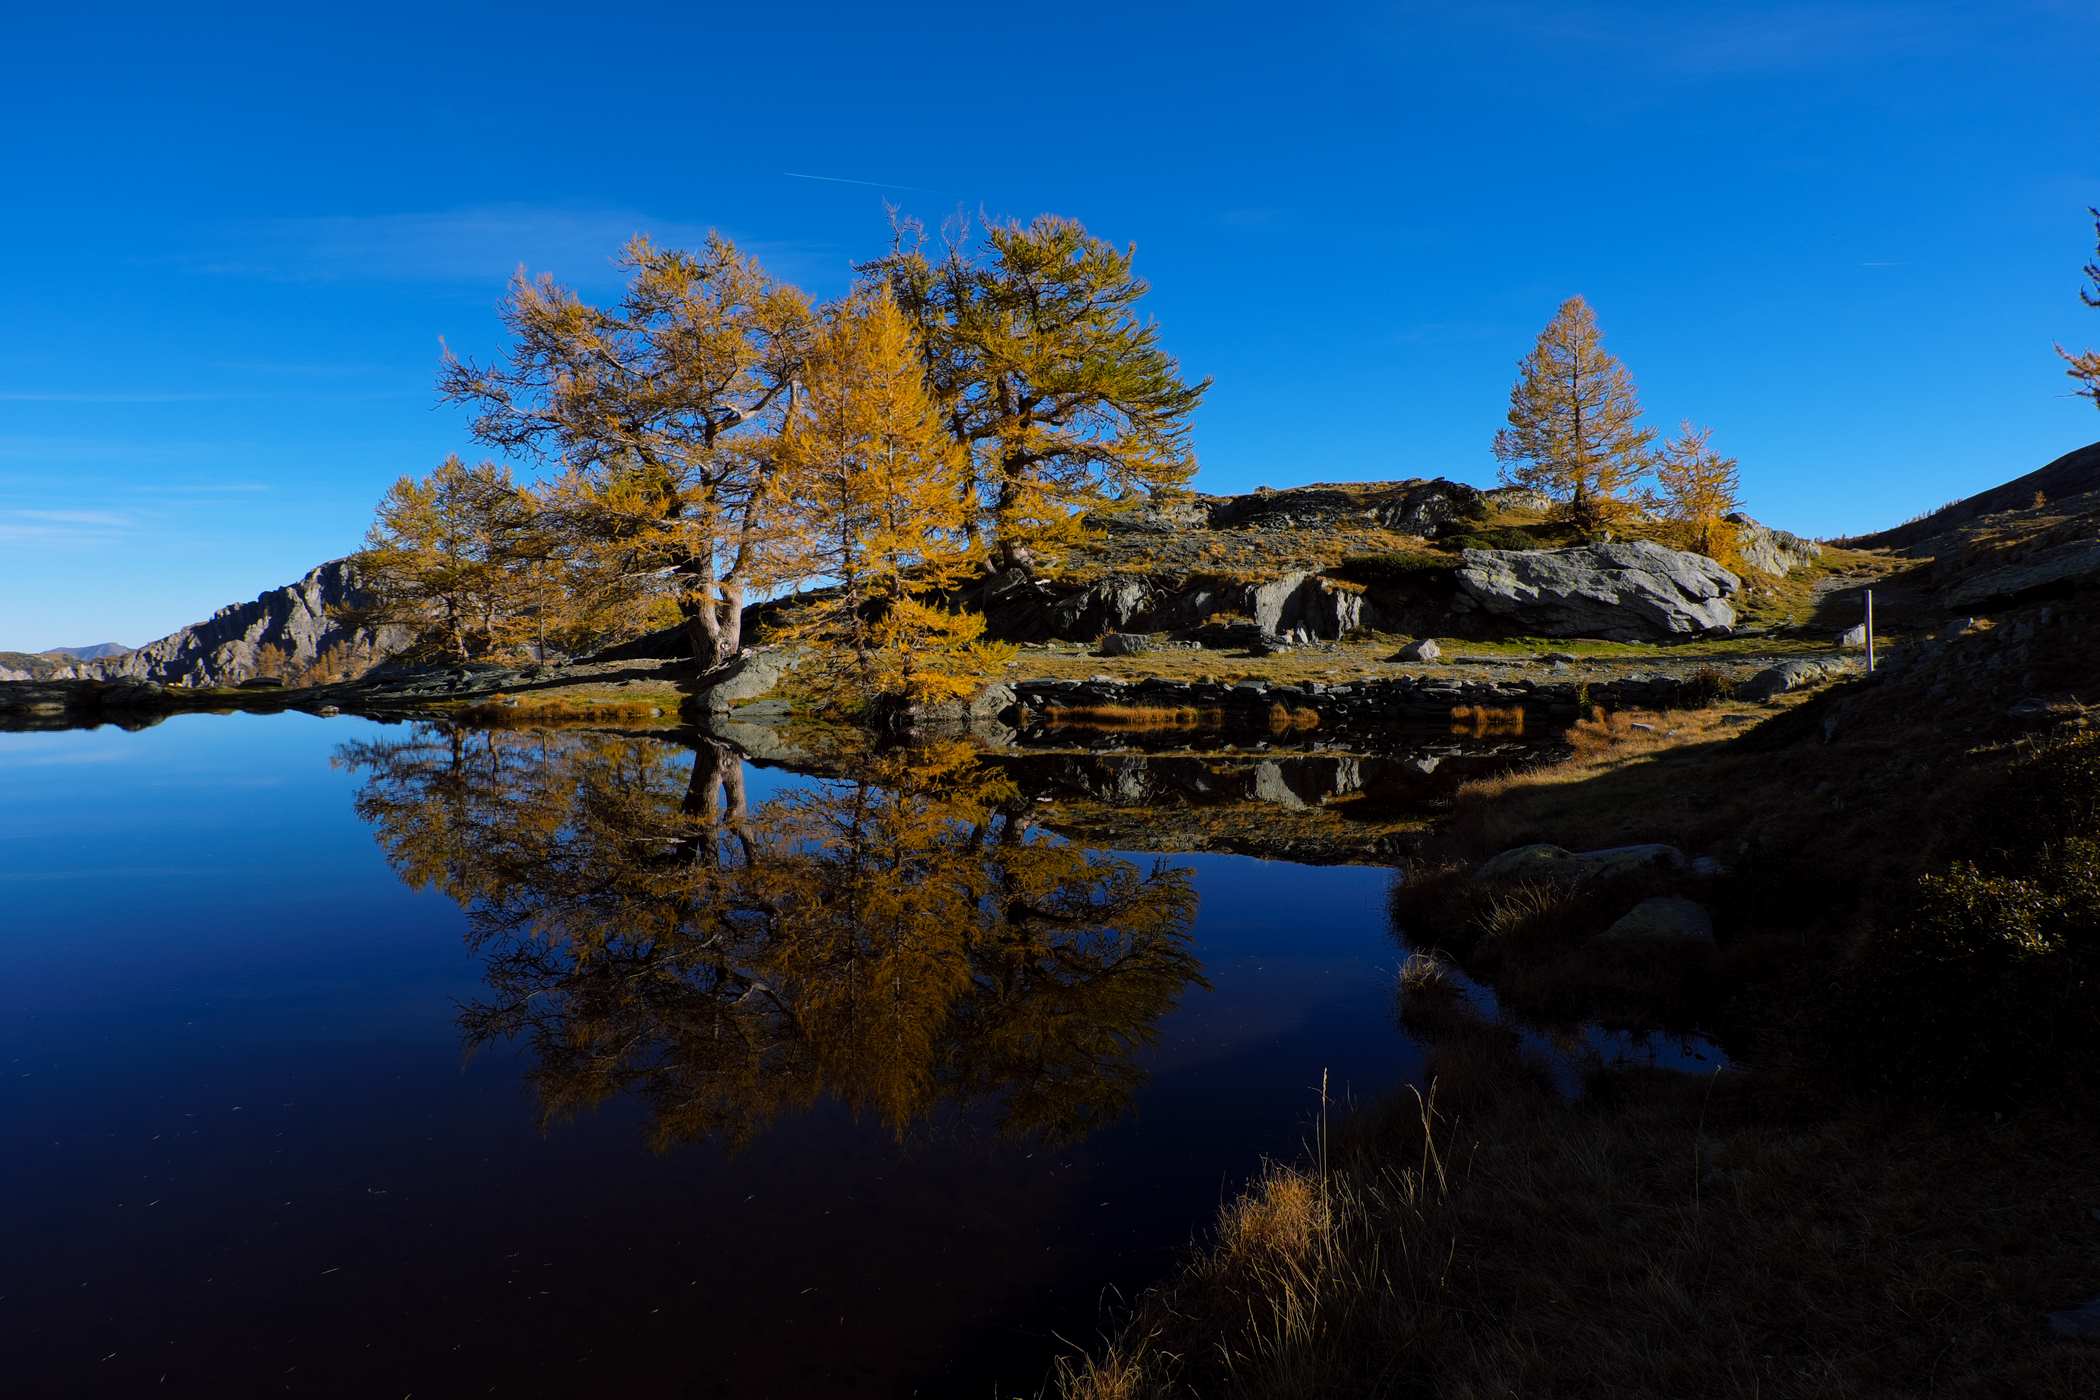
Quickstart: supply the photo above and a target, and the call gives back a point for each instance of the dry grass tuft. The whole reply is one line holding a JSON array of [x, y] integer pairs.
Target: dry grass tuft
[[1664, 1237]]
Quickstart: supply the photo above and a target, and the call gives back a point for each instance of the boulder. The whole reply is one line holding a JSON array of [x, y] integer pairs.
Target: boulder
[[1306, 607], [1627, 591], [1559, 865], [1122, 644], [993, 702], [1795, 674], [1424, 650], [1853, 636], [750, 675], [1664, 919]]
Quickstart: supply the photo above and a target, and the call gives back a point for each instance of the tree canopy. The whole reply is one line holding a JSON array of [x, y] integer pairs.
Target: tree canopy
[[661, 413], [1699, 488], [1574, 422], [1045, 373], [876, 506], [711, 439]]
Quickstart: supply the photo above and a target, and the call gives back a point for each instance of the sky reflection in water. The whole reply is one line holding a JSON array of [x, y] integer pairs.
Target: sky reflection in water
[[247, 1144]]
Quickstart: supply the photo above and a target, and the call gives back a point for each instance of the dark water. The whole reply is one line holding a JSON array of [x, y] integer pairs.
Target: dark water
[[352, 1059]]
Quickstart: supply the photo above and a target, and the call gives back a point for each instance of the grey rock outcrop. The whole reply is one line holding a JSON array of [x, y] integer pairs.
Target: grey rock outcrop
[[1306, 607], [1111, 605], [1772, 551], [298, 620], [1519, 498], [1630, 591], [1418, 506]]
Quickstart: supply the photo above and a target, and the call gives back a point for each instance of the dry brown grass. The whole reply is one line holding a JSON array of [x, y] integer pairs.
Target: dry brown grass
[[639, 703], [1667, 1237]]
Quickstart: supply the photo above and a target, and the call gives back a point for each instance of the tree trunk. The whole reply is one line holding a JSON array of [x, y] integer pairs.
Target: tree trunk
[[729, 628], [714, 628]]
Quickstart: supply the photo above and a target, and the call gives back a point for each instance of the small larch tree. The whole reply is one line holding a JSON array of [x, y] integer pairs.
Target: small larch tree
[[874, 497], [1045, 373], [1574, 422], [447, 555], [661, 412], [1698, 487], [2085, 368]]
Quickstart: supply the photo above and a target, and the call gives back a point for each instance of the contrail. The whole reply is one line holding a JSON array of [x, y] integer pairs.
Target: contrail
[[842, 180]]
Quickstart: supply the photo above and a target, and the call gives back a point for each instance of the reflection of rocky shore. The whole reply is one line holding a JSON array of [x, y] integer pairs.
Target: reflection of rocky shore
[[1305, 796], [1318, 808]]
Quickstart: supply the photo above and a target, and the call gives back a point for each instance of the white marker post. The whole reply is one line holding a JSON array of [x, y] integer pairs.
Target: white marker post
[[1870, 631]]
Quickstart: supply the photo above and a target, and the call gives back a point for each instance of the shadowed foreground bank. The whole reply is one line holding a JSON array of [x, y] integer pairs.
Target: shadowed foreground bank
[[1889, 1192]]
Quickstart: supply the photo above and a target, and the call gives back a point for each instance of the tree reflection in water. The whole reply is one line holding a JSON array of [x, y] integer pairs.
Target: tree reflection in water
[[898, 938]]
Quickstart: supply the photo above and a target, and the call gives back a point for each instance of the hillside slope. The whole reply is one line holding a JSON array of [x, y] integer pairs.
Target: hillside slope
[[2073, 474]]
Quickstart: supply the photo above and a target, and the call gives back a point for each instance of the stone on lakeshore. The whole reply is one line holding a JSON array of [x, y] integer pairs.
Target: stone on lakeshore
[[750, 675], [1665, 919], [1793, 675]]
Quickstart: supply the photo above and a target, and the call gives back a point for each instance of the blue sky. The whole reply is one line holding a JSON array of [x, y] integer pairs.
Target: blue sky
[[1845, 235]]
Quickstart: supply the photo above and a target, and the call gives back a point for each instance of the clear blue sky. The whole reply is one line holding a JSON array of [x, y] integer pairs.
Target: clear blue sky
[[1845, 235]]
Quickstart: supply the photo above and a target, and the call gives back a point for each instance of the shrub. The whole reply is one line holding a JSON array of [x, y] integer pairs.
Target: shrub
[[1399, 566], [1708, 685], [1986, 987]]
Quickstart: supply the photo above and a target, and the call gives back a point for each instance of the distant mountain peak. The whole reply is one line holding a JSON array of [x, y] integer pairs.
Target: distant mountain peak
[[94, 651]]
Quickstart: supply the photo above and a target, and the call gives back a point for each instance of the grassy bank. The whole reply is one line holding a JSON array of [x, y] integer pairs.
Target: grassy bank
[[1664, 1237], [1886, 1194]]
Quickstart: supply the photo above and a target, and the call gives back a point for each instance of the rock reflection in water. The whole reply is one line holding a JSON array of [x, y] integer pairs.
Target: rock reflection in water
[[896, 938]]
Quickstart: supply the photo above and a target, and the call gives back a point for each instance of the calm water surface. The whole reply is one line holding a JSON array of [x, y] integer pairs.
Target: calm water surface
[[343, 1058]]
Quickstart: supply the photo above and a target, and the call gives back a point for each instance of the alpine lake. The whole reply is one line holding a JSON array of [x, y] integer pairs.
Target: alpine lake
[[383, 1059]]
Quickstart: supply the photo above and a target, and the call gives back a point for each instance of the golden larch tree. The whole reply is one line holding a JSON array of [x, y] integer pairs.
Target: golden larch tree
[[449, 556], [1574, 422], [1699, 488], [2085, 368], [874, 501], [660, 412], [1045, 372]]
